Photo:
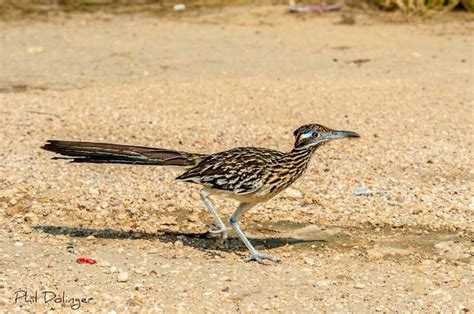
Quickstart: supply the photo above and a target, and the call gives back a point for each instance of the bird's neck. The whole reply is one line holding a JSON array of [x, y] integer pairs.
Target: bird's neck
[[290, 167], [300, 156]]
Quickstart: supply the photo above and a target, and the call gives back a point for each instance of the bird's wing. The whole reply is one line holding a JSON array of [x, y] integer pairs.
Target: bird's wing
[[240, 171]]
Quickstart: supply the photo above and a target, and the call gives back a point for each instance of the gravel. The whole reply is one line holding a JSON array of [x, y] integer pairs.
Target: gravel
[[238, 77]]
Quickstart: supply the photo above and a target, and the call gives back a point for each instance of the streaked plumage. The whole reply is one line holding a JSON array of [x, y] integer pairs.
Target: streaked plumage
[[249, 174]]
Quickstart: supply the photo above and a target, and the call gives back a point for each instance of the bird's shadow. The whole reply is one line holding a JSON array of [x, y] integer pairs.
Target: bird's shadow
[[202, 241]]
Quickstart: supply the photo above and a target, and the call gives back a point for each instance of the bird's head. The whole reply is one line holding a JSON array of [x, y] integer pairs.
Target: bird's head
[[311, 135]]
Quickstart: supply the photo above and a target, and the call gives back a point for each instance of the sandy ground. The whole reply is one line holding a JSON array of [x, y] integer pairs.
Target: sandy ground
[[210, 82]]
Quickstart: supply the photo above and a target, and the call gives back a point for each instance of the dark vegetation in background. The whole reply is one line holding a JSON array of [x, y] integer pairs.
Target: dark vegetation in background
[[18, 8]]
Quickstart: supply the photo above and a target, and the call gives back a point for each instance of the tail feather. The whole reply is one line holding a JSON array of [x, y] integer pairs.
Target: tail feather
[[122, 154]]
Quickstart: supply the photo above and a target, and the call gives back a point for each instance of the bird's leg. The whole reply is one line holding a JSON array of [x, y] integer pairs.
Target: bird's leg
[[221, 228], [254, 255]]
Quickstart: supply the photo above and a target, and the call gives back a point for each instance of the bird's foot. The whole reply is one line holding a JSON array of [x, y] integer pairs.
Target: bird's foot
[[261, 257], [222, 231]]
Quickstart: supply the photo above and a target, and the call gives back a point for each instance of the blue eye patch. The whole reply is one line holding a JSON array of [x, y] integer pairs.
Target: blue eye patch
[[307, 134]]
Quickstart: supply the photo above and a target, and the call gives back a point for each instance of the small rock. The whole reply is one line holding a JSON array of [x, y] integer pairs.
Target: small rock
[[179, 7], [365, 191], [321, 283], [179, 244], [122, 277], [18, 243], [308, 261], [292, 193], [359, 286], [454, 283], [308, 200], [168, 220]]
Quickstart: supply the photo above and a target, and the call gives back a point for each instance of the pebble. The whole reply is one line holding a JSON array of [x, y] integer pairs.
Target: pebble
[[365, 191], [308, 200], [308, 260], [359, 286], [122, 277], [454, 283], [321, 283], [18, 243], [293, 193]]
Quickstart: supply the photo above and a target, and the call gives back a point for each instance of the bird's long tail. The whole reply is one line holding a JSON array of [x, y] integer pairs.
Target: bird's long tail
[[121, 154]]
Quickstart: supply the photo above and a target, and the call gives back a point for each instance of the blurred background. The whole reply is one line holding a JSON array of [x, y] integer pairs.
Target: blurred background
[[12, 7]]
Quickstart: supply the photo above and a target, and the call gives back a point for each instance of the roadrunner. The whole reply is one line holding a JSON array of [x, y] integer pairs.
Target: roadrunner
[[248, 174]]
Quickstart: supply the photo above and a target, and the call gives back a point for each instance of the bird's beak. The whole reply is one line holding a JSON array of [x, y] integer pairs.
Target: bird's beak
[[335, 135]]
